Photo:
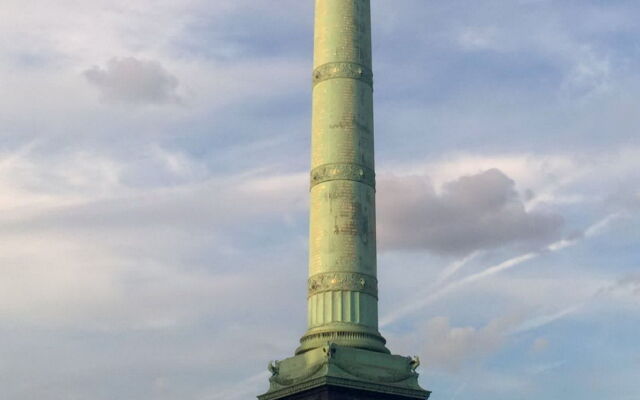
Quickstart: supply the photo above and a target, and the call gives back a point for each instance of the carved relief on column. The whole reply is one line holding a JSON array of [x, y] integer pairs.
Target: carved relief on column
[[345, 281], [343, 171], [343, 70]]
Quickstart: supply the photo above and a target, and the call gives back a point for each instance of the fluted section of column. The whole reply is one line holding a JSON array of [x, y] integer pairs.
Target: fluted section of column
[[343, 294]]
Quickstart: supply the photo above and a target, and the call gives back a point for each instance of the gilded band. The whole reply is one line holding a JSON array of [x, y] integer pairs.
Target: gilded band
[[347, 70], [343, 171], [351, 281]]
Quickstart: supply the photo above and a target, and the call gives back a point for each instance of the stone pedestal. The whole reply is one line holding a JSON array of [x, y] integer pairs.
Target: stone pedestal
[[336, 392], [334, 372]]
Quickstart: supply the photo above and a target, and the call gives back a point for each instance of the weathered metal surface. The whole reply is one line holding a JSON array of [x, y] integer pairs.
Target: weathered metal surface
[[342, 345], [343, 281], [345, 70], [342, 235], [343, 171], [348, 367]]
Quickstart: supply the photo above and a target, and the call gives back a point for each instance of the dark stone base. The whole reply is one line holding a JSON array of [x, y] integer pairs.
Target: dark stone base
[[330, 392]]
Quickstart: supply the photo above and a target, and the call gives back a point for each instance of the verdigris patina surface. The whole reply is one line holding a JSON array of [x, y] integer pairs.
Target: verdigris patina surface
[[342, 347]]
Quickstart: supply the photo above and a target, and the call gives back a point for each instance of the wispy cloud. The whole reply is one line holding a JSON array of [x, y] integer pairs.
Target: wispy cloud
[[543, 320], [438, 293], [454, 267], [544, 368]]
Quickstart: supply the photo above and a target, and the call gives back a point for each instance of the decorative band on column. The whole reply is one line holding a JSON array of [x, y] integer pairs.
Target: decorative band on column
[[351, 281], [343, 70], [343, 171]]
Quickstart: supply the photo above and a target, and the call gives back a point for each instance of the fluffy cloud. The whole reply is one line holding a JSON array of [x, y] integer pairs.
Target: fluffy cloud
[[130, 80], [480, 211]]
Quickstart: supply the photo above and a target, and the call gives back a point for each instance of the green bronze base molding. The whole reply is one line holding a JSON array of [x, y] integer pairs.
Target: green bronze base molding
[[346, 335], [337, 366]]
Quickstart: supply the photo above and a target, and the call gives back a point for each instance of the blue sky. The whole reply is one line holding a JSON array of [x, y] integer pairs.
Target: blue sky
[[153, 195]]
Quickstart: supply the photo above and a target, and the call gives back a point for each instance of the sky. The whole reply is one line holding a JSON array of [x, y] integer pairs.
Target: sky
[[154, 164]]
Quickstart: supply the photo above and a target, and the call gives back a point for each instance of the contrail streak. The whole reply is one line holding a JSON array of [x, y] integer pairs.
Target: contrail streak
[[601, 225], [454, 267], [591, 231], [538, 322], [452, 286], [428, 292]]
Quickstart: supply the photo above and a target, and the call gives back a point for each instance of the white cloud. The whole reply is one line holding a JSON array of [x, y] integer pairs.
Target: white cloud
[[543, 175], [542, 180]]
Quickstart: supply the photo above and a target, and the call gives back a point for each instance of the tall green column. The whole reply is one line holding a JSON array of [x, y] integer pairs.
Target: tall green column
[[342, 355], [342, 286]]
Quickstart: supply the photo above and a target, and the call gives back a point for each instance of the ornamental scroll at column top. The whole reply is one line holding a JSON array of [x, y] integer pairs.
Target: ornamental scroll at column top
[[350, 281], [348, 70], [343, 171]]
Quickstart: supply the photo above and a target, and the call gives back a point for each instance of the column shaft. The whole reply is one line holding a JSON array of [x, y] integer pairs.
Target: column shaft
[[343, 294]]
